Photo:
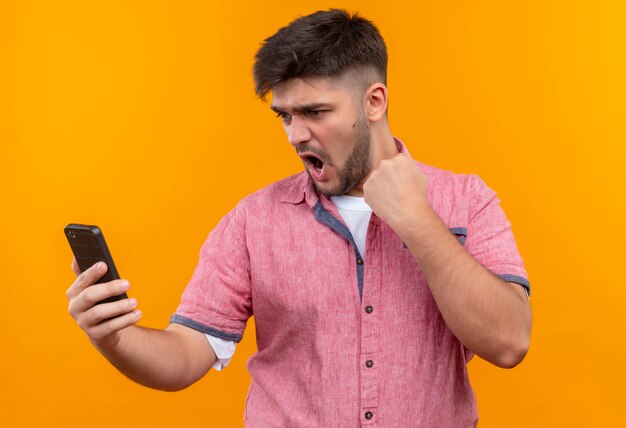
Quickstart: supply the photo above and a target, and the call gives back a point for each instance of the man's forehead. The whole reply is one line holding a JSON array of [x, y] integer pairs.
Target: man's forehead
[[309, 90]]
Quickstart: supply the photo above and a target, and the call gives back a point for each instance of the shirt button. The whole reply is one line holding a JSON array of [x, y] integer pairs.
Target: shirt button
[[369, 309], [369, 363], [369, 415], [359, 261]]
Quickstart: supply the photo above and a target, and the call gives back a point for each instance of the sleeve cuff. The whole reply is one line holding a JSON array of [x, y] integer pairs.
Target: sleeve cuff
[[518, 280], [179, 319]]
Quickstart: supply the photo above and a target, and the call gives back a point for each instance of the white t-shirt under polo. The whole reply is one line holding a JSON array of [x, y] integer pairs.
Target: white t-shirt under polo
[[356, 213]]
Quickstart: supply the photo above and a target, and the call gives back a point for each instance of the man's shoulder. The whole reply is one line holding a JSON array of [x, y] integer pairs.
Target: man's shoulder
[[446, 180], [455, 197]]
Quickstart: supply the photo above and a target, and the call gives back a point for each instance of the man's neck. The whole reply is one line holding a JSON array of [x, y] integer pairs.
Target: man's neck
[[383, 144]]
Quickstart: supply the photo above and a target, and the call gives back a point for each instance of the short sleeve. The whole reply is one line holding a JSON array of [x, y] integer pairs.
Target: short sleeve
[[217, 301], [490, 238]]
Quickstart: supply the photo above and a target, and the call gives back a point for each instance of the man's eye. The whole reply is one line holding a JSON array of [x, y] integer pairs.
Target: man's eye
[[285, 117], [315, 113]]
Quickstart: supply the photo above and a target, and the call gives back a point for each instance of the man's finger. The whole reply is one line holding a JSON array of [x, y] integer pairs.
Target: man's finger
[[93, 294], [107, 328], [104, 312], [85, 279]]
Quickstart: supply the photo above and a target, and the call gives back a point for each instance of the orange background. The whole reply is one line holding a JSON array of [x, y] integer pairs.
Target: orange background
[[141, 117]]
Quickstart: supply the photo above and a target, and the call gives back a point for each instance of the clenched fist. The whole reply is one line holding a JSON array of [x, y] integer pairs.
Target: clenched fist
[[397, 192]]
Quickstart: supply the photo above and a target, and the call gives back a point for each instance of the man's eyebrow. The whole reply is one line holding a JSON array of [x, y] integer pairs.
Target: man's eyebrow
[[303, 108]]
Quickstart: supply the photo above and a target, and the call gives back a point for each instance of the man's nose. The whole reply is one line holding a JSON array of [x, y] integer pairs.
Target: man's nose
[[298, 132]]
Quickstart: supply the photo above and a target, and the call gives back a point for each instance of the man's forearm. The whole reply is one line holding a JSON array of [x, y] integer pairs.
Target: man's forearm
[[168, 360], [489, 316]]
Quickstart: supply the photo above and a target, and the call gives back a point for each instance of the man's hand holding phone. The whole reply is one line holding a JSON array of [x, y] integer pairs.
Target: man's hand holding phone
[[101, 321], [169, 359]]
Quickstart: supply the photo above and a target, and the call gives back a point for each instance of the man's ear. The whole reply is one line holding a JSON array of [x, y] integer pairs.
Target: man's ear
[[376, 98]]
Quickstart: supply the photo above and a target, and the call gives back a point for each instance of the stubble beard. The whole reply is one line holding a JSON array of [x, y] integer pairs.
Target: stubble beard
[[357, 164]]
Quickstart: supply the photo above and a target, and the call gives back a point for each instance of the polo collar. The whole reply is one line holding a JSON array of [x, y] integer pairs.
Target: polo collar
[[298, 189]]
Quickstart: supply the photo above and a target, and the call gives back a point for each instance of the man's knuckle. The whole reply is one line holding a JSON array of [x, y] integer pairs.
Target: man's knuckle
[[96, 334], [90, 295], [108, 328], [81, 278], [70, 309], [81, 321], [97, 313]]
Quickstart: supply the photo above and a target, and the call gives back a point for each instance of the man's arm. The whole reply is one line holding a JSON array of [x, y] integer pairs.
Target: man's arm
[[490, 317], [169, 359]]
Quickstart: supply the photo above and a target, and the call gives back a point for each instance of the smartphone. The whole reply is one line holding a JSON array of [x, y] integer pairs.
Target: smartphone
[[89, 248]]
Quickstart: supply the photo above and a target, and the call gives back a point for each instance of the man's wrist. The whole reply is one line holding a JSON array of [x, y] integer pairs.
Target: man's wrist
[[416, 225]]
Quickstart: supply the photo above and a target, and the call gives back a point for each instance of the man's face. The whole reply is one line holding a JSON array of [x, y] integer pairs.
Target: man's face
[[325, 122]]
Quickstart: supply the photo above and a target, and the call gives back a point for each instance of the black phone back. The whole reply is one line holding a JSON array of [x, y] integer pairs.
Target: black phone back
[[89, 247]]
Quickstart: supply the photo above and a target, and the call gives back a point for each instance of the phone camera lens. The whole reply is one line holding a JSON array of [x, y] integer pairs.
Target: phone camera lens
[[71, 234]]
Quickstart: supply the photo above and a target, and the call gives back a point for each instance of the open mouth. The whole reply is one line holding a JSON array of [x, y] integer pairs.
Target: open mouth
[[315, 166], [315, 162]]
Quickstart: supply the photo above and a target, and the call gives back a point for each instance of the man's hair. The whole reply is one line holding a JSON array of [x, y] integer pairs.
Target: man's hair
[[323, 44]]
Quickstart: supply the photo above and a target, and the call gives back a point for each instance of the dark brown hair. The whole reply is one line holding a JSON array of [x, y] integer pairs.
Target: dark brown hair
[[323, 44]]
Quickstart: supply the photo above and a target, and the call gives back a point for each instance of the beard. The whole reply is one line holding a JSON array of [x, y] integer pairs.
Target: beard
[[357, 165]]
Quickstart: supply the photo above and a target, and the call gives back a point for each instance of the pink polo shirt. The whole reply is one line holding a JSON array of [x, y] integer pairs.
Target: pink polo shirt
[[343, 342]]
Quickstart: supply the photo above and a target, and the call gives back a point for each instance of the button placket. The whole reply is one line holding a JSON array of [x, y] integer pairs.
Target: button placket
[[370, 328]]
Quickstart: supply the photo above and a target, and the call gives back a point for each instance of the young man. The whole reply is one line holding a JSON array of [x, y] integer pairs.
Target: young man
[[373, 278]]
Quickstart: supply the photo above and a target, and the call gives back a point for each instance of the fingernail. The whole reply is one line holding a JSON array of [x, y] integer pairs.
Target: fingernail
[[98, 266], [137, 313], [124, 285], [132, 302]]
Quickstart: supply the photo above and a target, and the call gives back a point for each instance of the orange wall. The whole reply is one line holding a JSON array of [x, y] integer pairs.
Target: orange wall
[[141, 117]]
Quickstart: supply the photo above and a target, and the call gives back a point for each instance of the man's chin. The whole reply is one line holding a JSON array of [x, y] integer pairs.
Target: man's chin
[[326, 188]]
